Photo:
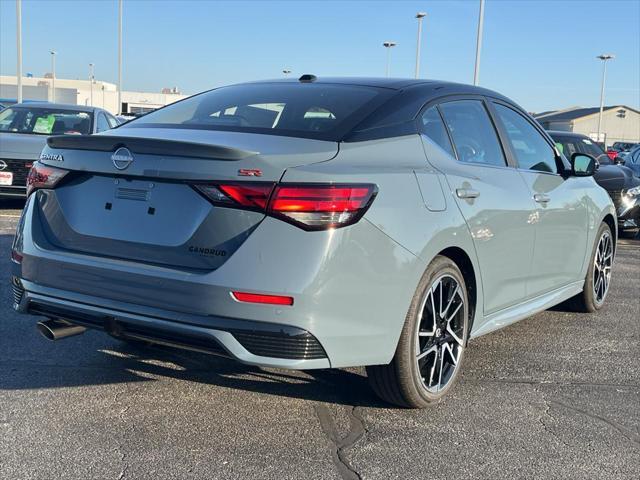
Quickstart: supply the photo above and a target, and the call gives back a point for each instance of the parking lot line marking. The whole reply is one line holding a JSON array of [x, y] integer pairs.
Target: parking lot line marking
[[10, 216]]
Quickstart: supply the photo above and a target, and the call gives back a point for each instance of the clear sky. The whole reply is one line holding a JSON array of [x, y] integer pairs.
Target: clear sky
[[540, 53]]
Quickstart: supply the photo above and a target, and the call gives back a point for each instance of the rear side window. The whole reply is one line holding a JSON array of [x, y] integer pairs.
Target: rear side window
[[102, 124], [530, 148], [473, 134], [432, 126], [322, 111]]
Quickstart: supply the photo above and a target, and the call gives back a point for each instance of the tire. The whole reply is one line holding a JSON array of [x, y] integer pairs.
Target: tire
[[590, 300], [410, 379]]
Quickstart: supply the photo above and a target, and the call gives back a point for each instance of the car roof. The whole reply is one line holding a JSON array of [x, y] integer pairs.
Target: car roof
[[58, 106], [391, 83], [560, 133]]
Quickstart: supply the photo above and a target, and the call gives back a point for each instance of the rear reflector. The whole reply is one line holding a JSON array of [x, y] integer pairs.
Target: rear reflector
[[260, 298], [308, 206], [43, 176]]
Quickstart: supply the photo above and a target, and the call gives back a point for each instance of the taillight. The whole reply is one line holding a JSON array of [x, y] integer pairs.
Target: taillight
[[308, 206], [252, 196], [318, 207], [43, 176]]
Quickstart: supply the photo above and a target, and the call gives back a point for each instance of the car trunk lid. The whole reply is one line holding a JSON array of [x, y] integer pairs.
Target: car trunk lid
[[149, 211]]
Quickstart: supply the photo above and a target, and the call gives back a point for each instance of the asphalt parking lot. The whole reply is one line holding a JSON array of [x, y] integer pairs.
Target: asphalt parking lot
[[554, 396]]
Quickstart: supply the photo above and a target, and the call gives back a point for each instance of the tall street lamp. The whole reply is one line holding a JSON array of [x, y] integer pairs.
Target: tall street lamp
[[476, 72], [119, 108], [91, 82], [389, 46], [19, 47], [604, 58], [53, 75], [419, 16]]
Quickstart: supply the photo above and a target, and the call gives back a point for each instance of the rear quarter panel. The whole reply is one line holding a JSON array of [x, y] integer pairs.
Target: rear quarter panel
[[422, 222]]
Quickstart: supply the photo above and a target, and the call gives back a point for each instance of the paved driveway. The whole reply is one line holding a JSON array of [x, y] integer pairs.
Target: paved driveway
[[554, 396]]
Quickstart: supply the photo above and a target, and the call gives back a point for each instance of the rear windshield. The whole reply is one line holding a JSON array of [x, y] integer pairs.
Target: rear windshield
[[320, 111], [45, 121]]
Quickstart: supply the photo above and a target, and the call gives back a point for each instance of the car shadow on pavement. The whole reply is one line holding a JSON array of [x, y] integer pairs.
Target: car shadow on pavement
[[105, 361]]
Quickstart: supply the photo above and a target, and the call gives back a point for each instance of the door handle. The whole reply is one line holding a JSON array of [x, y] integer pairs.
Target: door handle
[[541, 198], [467, 193]]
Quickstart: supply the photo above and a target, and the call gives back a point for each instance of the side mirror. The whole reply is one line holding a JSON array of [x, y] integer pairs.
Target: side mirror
[[583, 165]]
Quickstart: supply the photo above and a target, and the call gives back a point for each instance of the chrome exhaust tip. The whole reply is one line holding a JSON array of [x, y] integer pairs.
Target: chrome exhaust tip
[[56, 329]]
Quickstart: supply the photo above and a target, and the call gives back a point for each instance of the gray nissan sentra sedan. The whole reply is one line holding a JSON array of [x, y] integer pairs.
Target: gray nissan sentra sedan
[[315, 223]]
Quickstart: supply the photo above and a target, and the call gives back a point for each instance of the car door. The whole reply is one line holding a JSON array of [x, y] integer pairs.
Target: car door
[[490, 194], [561, 205]]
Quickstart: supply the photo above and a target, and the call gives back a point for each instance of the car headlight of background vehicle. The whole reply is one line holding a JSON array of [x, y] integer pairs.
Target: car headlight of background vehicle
[[633, 192]]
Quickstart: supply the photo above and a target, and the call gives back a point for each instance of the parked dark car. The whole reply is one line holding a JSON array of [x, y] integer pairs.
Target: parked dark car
[[623, 146], [619, 181], [632, 160]]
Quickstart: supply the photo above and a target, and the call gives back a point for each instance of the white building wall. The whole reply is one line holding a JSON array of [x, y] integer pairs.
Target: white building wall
[[81, 92], [615, 128]]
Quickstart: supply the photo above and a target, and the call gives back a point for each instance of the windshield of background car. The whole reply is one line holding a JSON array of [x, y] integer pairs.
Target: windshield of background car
[[308, 110], [570, 145], [45, 121]]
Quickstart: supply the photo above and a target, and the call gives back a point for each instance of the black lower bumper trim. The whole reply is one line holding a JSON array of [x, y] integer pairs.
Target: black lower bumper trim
[[258, 338]]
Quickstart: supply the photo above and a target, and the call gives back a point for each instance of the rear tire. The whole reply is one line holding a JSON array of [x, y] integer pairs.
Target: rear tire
[[431, 346], [596, 283]]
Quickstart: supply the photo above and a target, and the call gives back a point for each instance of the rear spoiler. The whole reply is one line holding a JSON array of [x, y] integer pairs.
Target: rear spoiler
[[151, 146]]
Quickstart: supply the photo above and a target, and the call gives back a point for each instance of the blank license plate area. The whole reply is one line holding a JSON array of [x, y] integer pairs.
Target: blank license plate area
[[133, 210]]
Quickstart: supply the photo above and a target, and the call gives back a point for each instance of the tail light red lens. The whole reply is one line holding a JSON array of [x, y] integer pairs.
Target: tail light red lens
[[261, 298], [308, 206], [318, 207], [253, 196], [43, 176]]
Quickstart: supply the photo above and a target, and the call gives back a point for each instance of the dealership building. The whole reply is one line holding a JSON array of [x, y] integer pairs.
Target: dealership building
[[620, 123], [85, 92]]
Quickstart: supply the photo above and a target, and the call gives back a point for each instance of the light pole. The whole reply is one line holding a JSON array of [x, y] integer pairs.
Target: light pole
[[91, 82], [286, 72], [53, 75], [476, 72], [389, 45], [119, 108], [19, 46], [604, 58], [419, 16]]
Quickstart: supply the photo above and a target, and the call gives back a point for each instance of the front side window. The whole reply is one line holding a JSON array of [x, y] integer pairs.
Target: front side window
[[431, 126], [322, 111], [530, 148], [45, 121], [472, 131]]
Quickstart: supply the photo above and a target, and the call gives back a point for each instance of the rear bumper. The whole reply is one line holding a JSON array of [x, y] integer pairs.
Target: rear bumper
[[255, 343], [351, 288]]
